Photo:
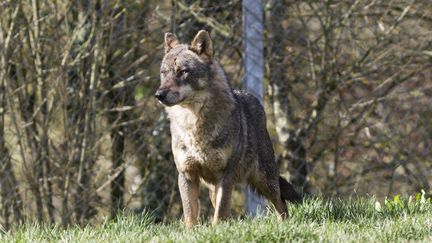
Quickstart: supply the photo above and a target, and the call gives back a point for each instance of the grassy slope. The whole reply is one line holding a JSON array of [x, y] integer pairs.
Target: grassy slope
[[314, 220]]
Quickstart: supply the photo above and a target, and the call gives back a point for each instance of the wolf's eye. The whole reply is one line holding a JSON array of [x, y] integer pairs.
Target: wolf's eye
[[183, 72]]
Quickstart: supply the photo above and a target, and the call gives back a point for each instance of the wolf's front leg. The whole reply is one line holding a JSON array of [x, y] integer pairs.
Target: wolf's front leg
[[223, 193], [189, 185]]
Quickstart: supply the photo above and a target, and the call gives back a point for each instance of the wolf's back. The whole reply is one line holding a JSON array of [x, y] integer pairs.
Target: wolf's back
[[252, 108], [258, 136], [256, 120]]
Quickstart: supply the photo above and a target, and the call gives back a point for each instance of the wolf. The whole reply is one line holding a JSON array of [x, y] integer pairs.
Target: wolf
[[219, 135]]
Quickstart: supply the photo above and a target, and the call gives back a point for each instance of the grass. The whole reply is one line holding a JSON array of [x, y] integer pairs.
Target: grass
[[316, 219]]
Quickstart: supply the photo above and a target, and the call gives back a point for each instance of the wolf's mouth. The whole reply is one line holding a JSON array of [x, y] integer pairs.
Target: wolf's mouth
[[168, 103]]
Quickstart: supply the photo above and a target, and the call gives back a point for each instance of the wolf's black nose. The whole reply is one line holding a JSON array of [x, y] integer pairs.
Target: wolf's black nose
[[161, 94]]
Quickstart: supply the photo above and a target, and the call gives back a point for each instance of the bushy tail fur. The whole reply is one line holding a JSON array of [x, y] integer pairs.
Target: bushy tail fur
[[287, 191]]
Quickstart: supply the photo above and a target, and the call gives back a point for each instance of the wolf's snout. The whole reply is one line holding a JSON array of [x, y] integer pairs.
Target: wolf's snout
[[161, 94]]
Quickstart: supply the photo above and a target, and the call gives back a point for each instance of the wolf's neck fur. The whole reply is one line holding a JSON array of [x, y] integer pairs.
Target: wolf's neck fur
[[209, 108], [218, 96]]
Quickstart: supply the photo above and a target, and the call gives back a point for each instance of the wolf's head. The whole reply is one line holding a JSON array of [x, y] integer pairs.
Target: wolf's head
[[185, 69]]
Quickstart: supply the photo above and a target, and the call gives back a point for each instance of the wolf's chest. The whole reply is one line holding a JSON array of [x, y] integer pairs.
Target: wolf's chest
[[193, 153], [192, 145]]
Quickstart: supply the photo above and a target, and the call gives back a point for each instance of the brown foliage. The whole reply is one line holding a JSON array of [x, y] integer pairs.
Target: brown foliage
[[348, 98]]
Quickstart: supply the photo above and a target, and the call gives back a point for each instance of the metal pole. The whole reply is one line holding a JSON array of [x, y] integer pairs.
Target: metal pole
[[253, 74]]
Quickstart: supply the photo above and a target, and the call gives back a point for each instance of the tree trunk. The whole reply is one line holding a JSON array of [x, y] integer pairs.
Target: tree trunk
[[10, 197]]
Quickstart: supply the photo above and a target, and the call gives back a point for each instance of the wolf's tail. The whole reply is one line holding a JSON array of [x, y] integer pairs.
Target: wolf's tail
[[287, 191]]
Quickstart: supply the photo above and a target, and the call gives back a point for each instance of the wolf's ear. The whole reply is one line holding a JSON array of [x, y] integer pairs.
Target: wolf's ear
[[170, 41], [202, 44]]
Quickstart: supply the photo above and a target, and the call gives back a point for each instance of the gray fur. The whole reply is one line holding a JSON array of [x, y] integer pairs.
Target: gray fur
[[219, 135]]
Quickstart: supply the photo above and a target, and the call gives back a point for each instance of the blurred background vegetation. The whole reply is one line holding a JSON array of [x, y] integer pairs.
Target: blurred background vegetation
[[348, 98]]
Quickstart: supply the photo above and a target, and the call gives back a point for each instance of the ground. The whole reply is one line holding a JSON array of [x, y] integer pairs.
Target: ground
[[316, 219]]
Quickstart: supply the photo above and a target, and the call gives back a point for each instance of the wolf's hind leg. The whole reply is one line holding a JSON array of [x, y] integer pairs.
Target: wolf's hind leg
[[212, 195], [223, 191], [189, 186]]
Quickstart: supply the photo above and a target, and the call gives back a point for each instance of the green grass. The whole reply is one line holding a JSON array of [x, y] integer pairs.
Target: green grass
[[315, 220]]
